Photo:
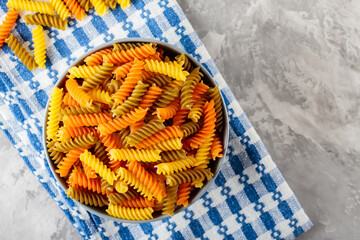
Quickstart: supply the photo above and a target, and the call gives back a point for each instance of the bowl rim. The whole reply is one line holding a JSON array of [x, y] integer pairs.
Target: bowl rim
[[207, 77]]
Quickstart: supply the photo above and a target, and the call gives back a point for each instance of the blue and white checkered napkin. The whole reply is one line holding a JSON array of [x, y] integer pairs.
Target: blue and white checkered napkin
[[249, 199]]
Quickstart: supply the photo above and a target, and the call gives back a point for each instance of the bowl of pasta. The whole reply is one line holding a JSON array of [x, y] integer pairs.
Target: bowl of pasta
[[135, 130]]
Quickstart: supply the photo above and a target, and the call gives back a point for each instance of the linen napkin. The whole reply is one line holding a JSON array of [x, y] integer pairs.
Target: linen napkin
[[249, 199]]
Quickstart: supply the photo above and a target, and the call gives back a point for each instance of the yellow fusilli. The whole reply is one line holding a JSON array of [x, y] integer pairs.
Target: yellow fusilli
[[83, 71], [39, 46], [175, 166], [60, 8], [171, 69], [100, 7], [135, 155], [99, 167], [130, 213], [32, 6], [53, 115]]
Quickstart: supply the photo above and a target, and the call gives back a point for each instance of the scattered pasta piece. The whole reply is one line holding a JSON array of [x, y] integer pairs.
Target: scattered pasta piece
[[100, 7], [7, 24], [60, 8], [20, 52], [46, 21], [39, 46], [75, 9], [32, 6], [54, 13]]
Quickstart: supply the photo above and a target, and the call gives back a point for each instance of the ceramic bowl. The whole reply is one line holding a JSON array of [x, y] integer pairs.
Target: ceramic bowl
[[215, 166]]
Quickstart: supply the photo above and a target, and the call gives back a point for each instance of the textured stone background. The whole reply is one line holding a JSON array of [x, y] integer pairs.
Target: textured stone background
[[294, 68]]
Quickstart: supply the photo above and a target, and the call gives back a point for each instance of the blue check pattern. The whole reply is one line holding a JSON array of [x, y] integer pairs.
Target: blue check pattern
[[248, 200]]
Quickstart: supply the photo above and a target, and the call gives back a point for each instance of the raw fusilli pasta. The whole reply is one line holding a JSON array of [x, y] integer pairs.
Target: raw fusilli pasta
[[124, 3], [7, 24], [101, 96], [54, 108], [75, 9], [130, 213], [133, 181], [76, 110], [175, 166], [129, 83], [180, 117], [144, 132], [188, 88], [168, 144], [100, 7], [197, 175], [166, 98], [190, 128], [216, 147], [32, 6], [169, 111], [74, 143], [123, 122], [203, 154], [135, 155], [111, 3], [85, 4], [123, 70], [171, 69], [174, 155], [97, 57], [78, 93], [185, 62], [166, 133], [132, 101], [199, 90], [170, 200], [39, 46], [20, 51], [55, 156], [208, 127], [138, 202], [88, 198], [150, 96], [83, 71], [183, 194], [100, 151], [70, 101], [197, 110], [46, 20], [99, 167], [80, 179], [215, 95], [121, 186], [87, 120], [101, 75], [108, 142], [72, 132], [131, 54], [68, 161], [159, 80], [61, 9], [146, 178]]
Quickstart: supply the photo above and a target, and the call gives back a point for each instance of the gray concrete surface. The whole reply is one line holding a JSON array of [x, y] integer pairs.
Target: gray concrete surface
[[294, 68]]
